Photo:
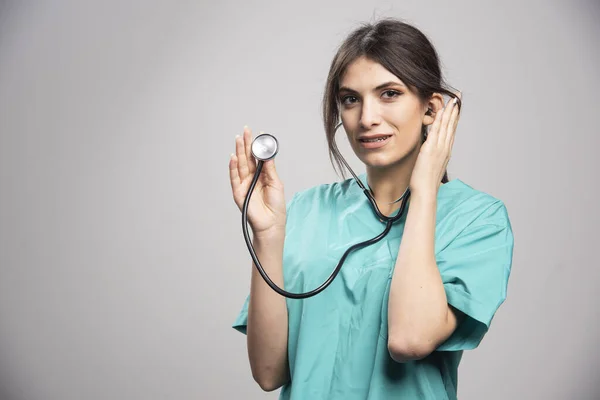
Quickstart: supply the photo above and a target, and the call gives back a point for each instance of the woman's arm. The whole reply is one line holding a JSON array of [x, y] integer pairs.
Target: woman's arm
[[267, 328], [419, 317]]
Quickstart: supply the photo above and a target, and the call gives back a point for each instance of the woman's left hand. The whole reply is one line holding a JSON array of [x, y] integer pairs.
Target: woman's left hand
[[435, 152]]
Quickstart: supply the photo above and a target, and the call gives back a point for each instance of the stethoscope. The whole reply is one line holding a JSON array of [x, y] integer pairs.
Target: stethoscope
[[264, 148]]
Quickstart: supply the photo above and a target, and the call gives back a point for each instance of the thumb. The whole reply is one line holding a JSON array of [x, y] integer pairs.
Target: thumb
[[270, 170]]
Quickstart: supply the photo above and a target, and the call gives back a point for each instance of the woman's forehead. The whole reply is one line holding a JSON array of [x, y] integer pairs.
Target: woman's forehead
[[365, 74]]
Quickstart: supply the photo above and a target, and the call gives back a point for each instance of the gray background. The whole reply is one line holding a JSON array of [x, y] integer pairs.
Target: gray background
[[122, 262]]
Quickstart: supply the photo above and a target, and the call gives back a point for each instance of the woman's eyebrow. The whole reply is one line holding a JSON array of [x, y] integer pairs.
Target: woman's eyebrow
[[383, 85]]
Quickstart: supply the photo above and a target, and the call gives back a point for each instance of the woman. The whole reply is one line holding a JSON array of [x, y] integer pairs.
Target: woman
[[395, 321]]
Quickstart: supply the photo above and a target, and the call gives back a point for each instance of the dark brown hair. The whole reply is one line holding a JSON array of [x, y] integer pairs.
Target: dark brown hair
[[400, 48]]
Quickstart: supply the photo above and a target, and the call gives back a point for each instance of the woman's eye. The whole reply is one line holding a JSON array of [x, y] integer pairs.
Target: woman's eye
[[346, 98], [391, 93], [388, 94]]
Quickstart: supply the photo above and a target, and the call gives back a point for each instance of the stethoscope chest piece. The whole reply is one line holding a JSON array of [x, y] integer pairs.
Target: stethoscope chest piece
[[265, 147]]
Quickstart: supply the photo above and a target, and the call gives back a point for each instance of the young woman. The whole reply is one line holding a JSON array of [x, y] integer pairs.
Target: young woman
[[395, 321]]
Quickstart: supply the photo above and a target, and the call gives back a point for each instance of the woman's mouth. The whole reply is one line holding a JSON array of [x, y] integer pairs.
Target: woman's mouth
[[374, 143]]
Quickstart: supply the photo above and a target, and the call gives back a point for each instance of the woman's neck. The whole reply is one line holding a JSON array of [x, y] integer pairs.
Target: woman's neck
[[387, 185]]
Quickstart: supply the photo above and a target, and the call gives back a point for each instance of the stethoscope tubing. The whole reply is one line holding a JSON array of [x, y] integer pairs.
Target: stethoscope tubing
[[388, 220]]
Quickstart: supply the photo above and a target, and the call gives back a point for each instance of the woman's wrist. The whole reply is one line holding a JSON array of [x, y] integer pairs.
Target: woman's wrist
[[421, 196], [271, 235]]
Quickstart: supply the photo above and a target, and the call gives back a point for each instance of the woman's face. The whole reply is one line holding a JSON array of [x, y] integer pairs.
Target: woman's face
[[381, 117]]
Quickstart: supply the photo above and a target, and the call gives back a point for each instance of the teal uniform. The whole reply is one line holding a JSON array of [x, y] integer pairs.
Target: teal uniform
[[337, 340]]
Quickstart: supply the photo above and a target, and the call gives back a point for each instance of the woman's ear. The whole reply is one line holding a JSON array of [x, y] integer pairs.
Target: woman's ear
[[435, 104]]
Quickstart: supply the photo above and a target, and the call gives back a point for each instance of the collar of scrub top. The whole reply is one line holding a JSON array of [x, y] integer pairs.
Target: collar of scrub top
[[368, 192]]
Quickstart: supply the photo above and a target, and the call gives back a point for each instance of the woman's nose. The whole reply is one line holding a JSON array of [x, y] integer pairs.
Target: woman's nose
[[370, 114]]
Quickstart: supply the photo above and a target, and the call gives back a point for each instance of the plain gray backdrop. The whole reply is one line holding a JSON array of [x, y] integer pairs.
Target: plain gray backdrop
[[122, 260]]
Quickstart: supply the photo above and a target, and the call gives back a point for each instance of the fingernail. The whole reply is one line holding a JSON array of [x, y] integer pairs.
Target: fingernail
[[454, 100], [245, 127]]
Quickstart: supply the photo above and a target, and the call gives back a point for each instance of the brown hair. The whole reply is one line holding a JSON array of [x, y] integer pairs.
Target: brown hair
[[400, 48]]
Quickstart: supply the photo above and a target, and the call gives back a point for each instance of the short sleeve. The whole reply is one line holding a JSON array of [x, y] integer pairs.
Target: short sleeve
[[241, 321], [475, 268]]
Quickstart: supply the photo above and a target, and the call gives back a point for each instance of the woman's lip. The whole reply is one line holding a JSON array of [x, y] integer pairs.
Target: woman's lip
[[377, 136], [374, 145]]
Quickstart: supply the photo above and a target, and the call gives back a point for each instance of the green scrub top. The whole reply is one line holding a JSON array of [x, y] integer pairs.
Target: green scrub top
[[337, 340]]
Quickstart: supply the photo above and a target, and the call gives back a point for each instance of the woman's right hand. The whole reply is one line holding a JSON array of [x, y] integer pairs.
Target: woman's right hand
[[267, 207]]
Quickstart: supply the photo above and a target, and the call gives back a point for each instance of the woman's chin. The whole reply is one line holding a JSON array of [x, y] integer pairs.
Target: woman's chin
[[382, 162], [387, 159], [378, 161]]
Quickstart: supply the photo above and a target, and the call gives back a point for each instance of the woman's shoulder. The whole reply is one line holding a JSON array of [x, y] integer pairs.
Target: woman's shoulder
[[328, 191], [469, 203]]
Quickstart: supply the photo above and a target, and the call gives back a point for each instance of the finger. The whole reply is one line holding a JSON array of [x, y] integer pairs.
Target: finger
[[251, 162], [443, 131], [459, 95], [234, 176], [434, 129], [270, 172], [456, 114], [452, 125], [241, 156]]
